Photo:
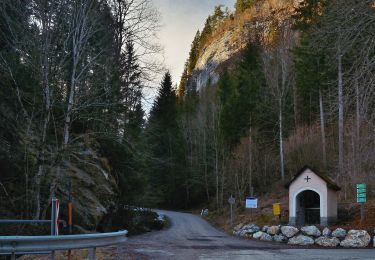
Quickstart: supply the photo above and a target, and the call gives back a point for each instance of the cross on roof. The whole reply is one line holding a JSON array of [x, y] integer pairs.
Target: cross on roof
[[307, 179]]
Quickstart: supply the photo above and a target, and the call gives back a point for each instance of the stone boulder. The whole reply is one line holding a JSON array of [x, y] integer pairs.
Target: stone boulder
[[339, 232], [251, 228], [356, 238], [289, 231], [326, 232], [280, 238], [311, 231], [262, 236], [265, 228], [244, 233], [238, 227], [273, 230], [327, 241], [301, 240]]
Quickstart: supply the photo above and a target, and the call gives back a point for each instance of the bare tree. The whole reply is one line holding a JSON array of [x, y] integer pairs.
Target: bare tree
[[277, 69]]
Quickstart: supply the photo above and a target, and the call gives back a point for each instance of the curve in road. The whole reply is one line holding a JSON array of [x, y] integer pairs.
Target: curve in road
[[191, 237]]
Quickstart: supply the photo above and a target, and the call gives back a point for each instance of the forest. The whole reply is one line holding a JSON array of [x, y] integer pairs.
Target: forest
[[73, 78]]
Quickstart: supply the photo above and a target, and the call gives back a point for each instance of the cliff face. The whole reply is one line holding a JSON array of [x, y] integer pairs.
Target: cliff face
[[233, 34]]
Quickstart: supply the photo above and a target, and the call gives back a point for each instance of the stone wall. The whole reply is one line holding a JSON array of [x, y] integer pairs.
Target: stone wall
[[307, 235]]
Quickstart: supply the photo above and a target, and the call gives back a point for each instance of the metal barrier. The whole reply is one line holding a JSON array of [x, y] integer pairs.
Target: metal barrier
[[12, 245]]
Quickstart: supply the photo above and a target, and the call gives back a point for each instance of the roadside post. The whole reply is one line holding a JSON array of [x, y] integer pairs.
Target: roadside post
[[276, 208], [70, 208], [55, 217], [54, 220], [70, 214], [361, 198], [231, 202]]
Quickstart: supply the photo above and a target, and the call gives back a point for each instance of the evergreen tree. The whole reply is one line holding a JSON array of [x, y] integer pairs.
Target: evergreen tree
[[166, 175], [242, 5], [194, 53], [240, 96]]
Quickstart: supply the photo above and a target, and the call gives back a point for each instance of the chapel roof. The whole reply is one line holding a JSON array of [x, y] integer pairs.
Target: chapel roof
[[330, 183]]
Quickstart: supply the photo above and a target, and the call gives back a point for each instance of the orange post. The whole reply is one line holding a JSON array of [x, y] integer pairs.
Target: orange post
[[70, 213]]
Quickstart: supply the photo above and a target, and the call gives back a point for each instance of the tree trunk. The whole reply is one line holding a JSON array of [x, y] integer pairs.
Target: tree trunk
[[322, 128], [205, 165], [281, 142], [341, 115], [250, 163]]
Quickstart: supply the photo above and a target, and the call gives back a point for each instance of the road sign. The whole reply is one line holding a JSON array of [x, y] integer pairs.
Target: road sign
[[231, 200], [361, 195], [251, 203], [276, 209], [361, 190], [361, 200], [361, 186]]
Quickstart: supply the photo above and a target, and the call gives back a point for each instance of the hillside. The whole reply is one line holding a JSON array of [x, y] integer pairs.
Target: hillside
[[274, 87]]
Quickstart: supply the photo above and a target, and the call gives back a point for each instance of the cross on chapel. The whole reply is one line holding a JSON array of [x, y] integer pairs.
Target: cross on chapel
[[307, 179]]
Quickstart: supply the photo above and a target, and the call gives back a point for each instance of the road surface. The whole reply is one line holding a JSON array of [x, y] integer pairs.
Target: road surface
[[191, 237]]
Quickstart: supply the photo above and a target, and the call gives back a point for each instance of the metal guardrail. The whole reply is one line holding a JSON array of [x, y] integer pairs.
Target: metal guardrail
[[24, 221], [12, 245]]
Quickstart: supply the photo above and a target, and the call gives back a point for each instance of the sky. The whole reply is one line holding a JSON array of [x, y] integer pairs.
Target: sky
[[180, 21]]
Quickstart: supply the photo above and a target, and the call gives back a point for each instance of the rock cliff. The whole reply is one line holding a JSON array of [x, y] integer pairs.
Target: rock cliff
[[230, 37]]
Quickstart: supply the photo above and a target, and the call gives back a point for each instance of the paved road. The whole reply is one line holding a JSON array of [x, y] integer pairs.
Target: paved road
[[190, 237]]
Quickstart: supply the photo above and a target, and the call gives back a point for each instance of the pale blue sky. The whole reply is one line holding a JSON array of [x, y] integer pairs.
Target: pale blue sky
[[181, 19]]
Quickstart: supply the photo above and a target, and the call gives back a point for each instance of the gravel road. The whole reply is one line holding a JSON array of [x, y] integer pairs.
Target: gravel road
[[191, 237]]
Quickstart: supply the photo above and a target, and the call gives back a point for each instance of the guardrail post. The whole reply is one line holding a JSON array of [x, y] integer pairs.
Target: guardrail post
[[92, 253], [53, 217], [53, 255], [13, 256]]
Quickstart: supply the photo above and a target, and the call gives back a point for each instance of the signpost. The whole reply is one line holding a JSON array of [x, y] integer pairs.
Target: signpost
[[231, 201], [251, 203], [361, 198]]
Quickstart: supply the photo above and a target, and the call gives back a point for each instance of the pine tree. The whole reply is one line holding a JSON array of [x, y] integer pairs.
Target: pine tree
[[166, 147]]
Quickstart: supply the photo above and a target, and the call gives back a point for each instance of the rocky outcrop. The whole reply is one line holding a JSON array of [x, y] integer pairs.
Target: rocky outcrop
[[94, 187], [289, 231], [356, 238], [311, 231], [301, 240], [327, 241], [228, 43], [339, 233]]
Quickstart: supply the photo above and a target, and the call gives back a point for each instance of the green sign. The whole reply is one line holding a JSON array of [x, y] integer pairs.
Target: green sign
[[361, 193], [361, 200], [361, 186], [361, 190]]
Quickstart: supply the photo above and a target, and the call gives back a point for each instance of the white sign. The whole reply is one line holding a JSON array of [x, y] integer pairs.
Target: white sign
[[251, 203]]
